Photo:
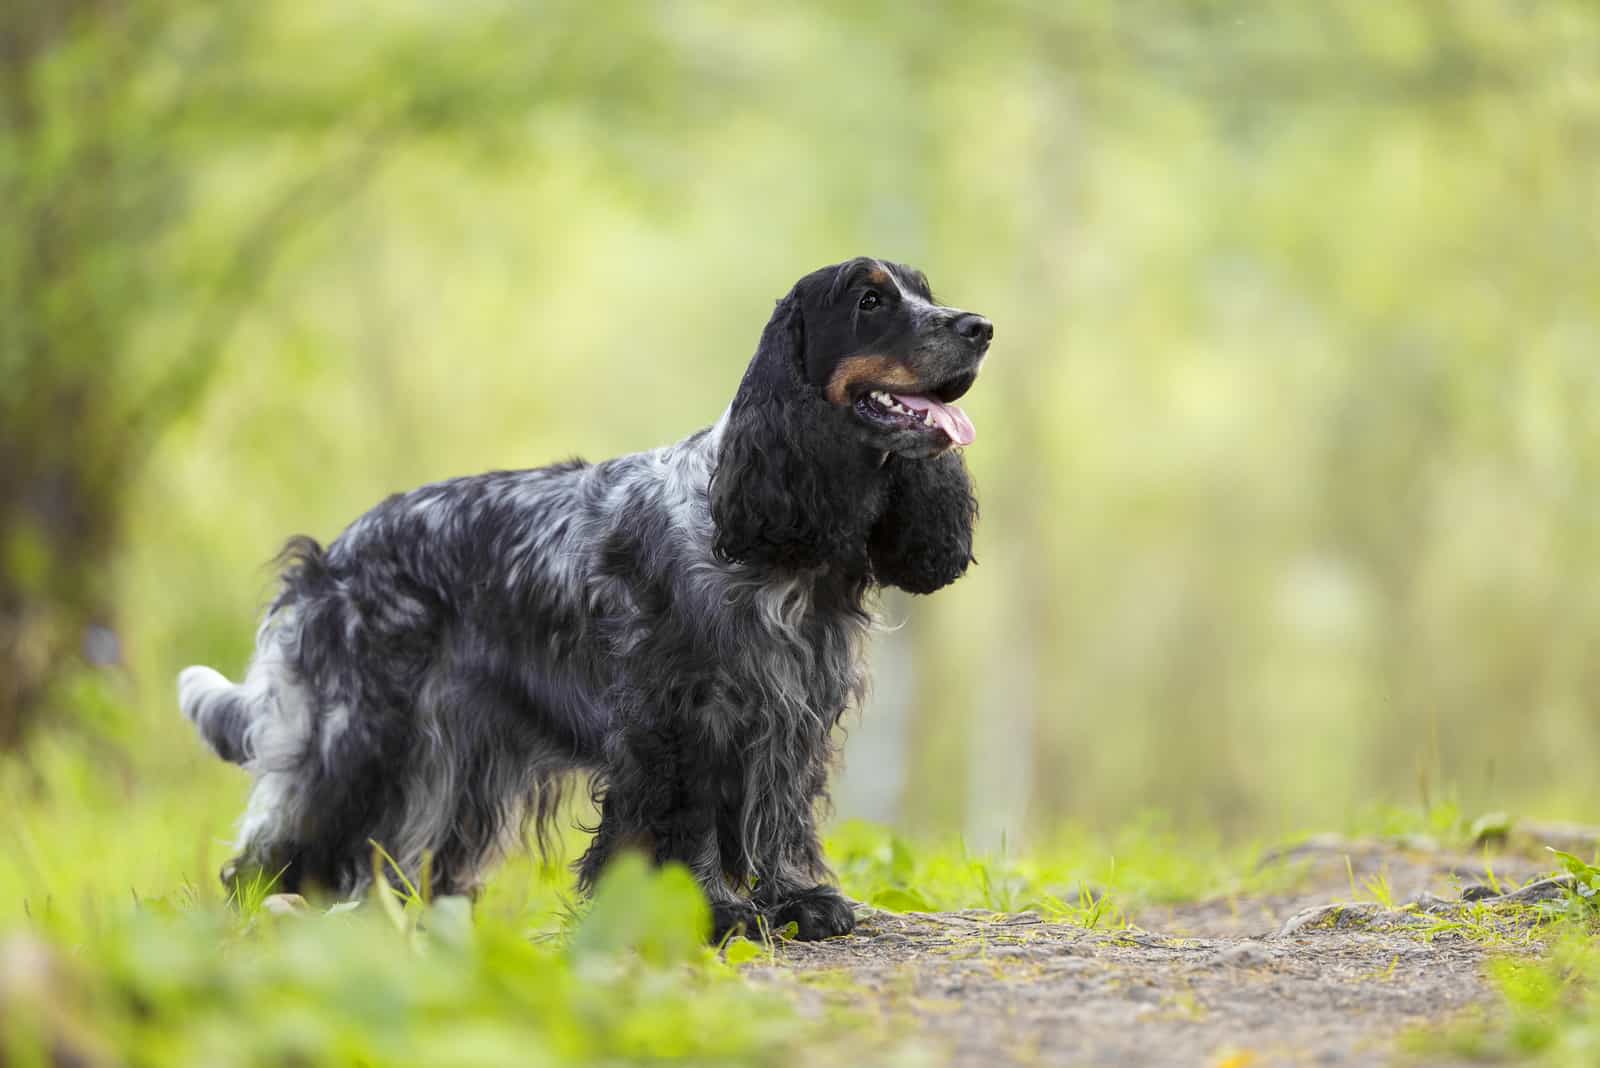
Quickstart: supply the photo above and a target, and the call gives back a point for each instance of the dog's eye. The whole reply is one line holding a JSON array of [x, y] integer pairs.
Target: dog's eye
[[870, 300]]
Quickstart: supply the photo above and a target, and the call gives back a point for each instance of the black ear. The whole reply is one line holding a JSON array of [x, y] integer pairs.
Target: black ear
[[793, 486], [923, 541]]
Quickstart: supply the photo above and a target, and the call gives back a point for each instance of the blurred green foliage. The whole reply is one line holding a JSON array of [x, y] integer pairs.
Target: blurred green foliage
[[1074, 876], [1286, 449], [175, 982], [116, 944], [156, 159], [1547, 1010]]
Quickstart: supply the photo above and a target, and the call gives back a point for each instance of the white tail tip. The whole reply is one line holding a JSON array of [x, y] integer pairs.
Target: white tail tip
[[194, 685]]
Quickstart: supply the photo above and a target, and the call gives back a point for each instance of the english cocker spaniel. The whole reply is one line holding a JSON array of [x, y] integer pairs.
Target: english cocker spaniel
[[684, 625]]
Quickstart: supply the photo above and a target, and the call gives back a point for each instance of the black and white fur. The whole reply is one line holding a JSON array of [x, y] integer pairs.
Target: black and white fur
[[685, 625]]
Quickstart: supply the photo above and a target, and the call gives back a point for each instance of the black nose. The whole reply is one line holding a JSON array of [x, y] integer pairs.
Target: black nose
[[974, 328]]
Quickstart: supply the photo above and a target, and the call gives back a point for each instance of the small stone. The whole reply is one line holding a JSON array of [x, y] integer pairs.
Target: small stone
[[1433, 903], [1245, 955], [285, 905], [27, 965], [1018, 953]]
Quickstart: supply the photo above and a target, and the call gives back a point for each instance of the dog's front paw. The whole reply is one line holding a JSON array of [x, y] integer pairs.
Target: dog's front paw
[[818, 913], [734, 917]]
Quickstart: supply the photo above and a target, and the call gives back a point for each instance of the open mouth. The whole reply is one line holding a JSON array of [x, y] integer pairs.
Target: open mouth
[[920, 412]]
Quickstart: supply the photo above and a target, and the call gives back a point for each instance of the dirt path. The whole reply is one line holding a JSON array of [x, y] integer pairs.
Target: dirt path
[[1274, 979]]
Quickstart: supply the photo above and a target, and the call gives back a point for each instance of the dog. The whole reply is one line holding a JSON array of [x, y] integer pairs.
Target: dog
[[685, 626]]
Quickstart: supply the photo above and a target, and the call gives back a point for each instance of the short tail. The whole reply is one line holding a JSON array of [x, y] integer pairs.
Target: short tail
[[219, 710], [236, 720]]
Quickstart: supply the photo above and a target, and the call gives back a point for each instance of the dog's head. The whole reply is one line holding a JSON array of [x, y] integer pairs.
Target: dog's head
[[873, 340], [858, 368]]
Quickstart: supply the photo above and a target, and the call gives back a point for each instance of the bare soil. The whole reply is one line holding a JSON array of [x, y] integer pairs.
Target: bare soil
[[1333, 971]]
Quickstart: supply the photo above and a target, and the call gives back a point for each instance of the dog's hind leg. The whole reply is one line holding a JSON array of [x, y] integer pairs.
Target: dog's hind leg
[[267, 725], [478, 768], [491, 821], [267, 848], [277, 819]]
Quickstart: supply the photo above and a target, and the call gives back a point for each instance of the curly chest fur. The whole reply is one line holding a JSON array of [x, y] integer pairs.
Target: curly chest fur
[[807, 666], [743, 652]]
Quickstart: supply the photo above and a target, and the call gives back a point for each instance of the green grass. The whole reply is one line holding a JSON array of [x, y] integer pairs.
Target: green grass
[[1091, 879], [1443, 821], [115, 935], [1546, 1011], [116, 940], [177, 981]]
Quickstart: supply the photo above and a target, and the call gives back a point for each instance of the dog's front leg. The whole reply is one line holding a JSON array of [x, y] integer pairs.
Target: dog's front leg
[[788, 894], [660, 797], [791, 876]]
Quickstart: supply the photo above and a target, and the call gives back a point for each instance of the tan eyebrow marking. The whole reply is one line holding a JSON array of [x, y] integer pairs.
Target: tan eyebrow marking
[[886, 372], [879, 277]]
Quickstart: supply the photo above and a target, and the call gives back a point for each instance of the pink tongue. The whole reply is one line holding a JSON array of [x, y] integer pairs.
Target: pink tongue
[[952, 420]]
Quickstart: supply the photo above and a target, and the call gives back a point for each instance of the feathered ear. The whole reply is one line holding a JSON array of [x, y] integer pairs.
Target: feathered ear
[[793, 486], [923, 542]]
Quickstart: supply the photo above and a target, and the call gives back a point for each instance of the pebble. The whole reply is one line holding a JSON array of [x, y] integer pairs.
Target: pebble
[[285, 904], [1246, 955]]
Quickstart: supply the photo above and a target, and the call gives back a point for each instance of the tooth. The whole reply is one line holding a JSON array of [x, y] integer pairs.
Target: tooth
[[927, 417]]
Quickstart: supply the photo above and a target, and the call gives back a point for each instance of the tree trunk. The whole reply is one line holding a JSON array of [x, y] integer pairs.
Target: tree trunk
[[59, 484]]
